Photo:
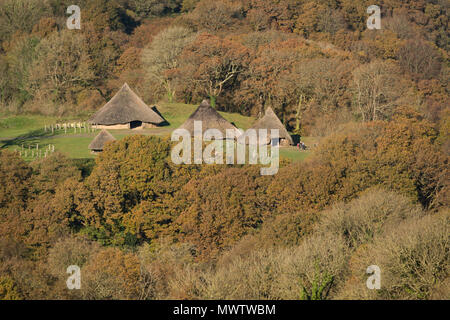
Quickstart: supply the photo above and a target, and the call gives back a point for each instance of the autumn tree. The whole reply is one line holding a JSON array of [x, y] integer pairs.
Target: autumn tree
[[8, 289], [267, 14], [125, 199], [151, 8], [211, 65], [45, 27], [108, 15], [394, 154], [317, 17], [42, 210], [359, 156], [355, 13], [67, 251], [376, 87], [222, 208], [420, 58], [16, 68], [15, 180], [18, 16], [111, 274], [263, 85], [104, 47], [314, 87], [61, 69], [213, 15], [163, 56]]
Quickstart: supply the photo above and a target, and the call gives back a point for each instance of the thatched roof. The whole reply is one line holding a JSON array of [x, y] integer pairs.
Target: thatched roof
[[271, 121], [210, 118], [125, 107], [100, 140]]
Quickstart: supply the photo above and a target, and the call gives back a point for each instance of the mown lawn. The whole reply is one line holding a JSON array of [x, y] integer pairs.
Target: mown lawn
[[27, 131], [18, 125]]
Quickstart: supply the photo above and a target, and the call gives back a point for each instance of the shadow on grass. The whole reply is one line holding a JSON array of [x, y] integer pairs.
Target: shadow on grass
[[28, 139]]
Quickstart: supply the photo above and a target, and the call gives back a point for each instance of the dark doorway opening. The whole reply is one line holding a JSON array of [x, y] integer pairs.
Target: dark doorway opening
[[135, 124]]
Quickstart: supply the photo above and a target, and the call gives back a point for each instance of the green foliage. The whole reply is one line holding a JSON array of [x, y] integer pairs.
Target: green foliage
[[8, 289], [320, 287], [18, 64], [151, 8], [106, 14], [126, 196]]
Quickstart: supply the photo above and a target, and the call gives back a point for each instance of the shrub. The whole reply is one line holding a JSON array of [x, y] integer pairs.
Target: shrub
[[275, 273], [413, 258], [361, 220], [111, 274], [222, 208], [315, 265], [129, 178], [70, 251], [161, 262], [8, 289], [400, 155], [214, 15]]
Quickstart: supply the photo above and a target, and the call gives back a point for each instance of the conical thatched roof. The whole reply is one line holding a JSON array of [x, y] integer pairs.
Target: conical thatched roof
[[271, 121], [125, 107], [210, 118], [100, 140]]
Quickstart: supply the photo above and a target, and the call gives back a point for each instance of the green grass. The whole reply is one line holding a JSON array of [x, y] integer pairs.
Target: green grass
[[74, 147], [292, 153], [14, 126], [240, 121], [177, 113], [27, 131]]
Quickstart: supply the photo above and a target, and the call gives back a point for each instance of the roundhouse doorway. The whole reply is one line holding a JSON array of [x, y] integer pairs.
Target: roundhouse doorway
[[135, 124]]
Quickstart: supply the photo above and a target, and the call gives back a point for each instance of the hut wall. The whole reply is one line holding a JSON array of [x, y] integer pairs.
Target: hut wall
[[147, 125], [113, 127], [125, 126]]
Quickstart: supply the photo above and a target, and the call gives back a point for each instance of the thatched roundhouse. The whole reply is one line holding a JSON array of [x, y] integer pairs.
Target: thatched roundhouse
[[96, 146], [126, 111], [271, 121], [210, 119]]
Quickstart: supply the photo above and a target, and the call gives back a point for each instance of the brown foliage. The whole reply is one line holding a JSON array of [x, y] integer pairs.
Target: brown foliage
[[221, 208], [420, 58], [111, 274], [413, 258], [211, 66]]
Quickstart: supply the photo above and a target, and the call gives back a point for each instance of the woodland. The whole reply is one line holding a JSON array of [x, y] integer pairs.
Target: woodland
[[375, 191]]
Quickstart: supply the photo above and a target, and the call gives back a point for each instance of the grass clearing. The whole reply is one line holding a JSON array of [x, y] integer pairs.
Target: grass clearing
[[177, 113], [293, 154], [13, 126], [28, 131]]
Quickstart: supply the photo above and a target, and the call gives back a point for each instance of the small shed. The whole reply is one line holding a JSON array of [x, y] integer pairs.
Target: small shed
[[96, 146]]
